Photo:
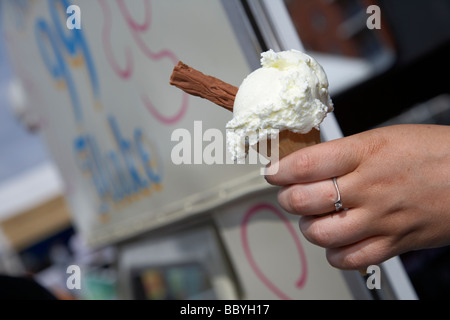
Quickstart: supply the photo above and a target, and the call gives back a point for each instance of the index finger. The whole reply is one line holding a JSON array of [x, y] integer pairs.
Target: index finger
[[315, 163]]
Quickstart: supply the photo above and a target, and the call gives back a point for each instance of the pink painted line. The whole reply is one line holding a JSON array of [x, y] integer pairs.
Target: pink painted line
[[167, 120], [131, 22], [136, 30], [245, 243], [124, 73]]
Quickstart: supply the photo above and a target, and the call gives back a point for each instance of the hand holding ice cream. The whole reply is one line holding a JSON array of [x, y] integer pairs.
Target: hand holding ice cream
[[394, 182]]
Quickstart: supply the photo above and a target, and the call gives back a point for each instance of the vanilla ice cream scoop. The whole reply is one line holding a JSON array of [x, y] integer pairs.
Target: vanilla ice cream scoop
[[289, 92]]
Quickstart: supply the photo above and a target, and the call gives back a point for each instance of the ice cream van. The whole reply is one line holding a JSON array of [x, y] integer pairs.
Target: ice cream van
[[96, 75]]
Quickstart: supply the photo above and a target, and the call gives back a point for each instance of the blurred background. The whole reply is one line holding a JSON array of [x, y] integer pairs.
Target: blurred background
[[378, 78]]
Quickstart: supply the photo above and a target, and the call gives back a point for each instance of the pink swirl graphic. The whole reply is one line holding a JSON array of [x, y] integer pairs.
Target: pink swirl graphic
[[106, 36], [136, 30], [164, 119], [245, 243], [133, 24]]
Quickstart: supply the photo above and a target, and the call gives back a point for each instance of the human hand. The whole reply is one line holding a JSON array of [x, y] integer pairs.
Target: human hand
[[394, 183]]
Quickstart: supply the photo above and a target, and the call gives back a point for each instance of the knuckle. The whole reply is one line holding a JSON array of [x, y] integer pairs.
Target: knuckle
[[303, 163], [374, 143], [318, 235], [297, 201], [283, 199], [352, 261], [349, 261]]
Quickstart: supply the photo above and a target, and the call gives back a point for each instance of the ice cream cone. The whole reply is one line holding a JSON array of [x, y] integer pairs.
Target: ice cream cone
[[290, 142], [223, 94]]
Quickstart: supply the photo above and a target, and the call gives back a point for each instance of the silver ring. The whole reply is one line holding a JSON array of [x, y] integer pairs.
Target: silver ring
[[338, 204]]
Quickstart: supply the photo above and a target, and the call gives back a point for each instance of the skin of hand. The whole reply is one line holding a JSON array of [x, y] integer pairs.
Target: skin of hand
[[394, 183]]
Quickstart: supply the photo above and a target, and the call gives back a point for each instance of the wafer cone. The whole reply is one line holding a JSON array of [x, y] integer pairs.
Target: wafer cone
[[290, 142]]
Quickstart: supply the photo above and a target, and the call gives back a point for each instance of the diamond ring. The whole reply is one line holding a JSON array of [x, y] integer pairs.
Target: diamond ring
[[338, 204]]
